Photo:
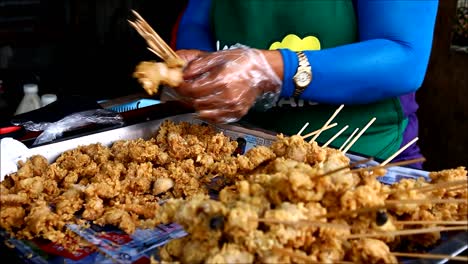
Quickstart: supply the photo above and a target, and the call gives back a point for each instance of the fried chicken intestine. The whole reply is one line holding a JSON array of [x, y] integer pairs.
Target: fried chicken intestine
[[152, 74], [119, 185], [123, 185], [277, 192]]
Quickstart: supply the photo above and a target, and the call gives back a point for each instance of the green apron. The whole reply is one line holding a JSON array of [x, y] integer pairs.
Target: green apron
[[320, 24]]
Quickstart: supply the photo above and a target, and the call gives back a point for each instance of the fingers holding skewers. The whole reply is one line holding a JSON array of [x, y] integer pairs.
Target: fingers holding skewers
[[222, 86]]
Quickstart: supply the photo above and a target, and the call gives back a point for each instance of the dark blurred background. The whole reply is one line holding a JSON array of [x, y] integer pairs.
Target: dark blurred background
[[82, 47], [443, 98], [87, 48]]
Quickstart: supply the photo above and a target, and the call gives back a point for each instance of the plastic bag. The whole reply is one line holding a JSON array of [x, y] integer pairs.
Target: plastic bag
[[54, 130]]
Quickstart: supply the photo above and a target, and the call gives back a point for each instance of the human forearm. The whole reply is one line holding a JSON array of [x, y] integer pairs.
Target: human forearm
[[359, 73], [390, 58]]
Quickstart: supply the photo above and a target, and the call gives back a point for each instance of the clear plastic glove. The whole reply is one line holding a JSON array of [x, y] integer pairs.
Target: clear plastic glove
[[190, 55], [223, 86]]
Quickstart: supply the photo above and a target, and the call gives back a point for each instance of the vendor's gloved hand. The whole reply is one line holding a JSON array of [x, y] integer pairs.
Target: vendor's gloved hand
[[189, 55], [224, 85]]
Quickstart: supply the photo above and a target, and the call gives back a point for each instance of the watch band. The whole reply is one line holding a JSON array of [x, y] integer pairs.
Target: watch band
[[303, 61], [303, 76]]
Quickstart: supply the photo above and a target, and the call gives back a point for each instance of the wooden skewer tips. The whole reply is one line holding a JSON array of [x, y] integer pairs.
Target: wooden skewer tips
[[359, 135], [328, 122], [335, 136], [399, 151], [302, 129]]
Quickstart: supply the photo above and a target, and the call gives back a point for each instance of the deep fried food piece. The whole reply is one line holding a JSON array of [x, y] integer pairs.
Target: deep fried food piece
[[297, 149], [197, 251], [369, 250], [138, 151], [231, 253], [119, 218], [14, 199], [162, 185], [11, 217], [405, 190], [194, 214], [152, 74], [94, 208], [68, 203], [42, 222], [34, 166]]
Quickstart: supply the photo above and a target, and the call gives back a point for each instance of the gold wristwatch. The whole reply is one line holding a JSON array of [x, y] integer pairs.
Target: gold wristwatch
[[303, 76]]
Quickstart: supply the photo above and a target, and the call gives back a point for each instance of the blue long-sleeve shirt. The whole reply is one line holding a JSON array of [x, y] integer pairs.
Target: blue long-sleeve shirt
[[390, 58]]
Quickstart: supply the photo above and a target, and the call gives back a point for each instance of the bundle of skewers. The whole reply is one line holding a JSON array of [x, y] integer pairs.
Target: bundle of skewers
[[152, 74], [293, 202]]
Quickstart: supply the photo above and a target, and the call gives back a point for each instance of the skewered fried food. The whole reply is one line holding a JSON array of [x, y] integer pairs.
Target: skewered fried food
[[269, 209], [284, 203], [152, 74]]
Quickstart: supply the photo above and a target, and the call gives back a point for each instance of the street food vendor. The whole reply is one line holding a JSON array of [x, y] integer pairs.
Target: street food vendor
[[283, 63]]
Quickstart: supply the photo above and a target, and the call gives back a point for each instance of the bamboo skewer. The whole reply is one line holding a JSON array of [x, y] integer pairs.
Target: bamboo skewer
[[440, 185], [429, 222], [335, 136], [153, 33], [425, 201], [429, 256], [399, 163], [456, 189], [459, 214], [302, 223], [345, 167], [351, 212], [348, 139], [388, 204], [400, 151], [326, 123], [408, 232], [152, 42], [316, 131], [302, 129], [402, 163], [156, 44], [359, 135]]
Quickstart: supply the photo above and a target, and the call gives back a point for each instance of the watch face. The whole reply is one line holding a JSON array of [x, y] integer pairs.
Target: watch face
[[303, 79]]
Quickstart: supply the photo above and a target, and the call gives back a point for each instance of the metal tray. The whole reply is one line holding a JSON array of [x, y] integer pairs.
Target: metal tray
[[12, 151]]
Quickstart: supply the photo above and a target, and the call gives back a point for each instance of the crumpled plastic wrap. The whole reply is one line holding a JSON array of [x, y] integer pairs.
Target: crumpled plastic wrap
[[257, 86], [51, 131]]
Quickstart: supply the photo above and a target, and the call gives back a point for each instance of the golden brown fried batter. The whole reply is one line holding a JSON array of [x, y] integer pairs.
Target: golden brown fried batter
[[271, 197], [11, 217], [283, 203], [119, 218], [111, 185], [94, 208], [369, 250]]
